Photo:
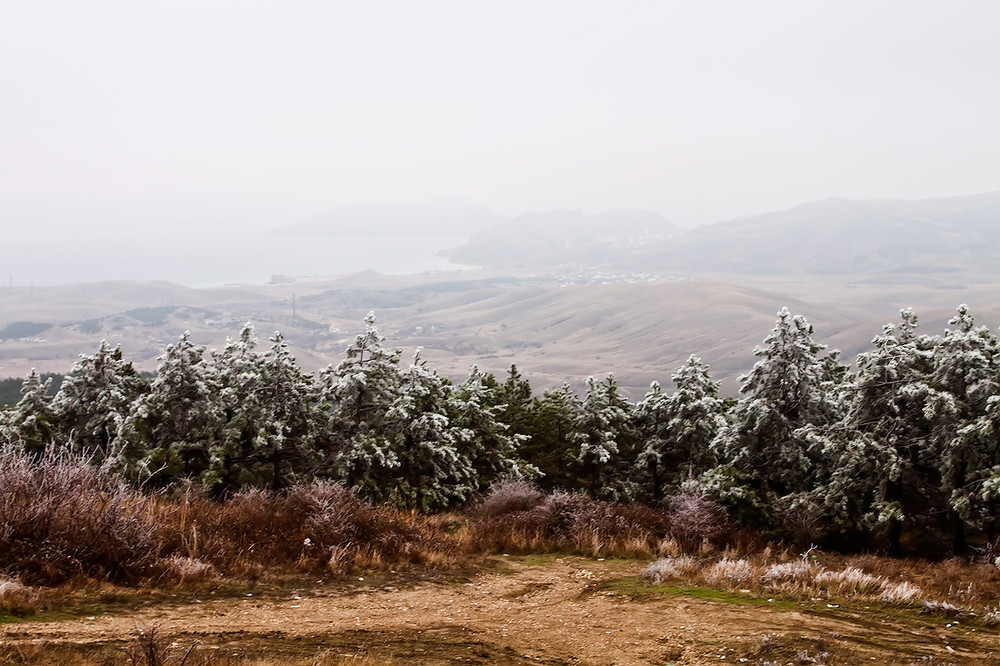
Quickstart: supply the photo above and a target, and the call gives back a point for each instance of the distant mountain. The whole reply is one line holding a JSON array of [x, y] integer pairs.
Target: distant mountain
[[562, 237], [843, 236], [442, 218]]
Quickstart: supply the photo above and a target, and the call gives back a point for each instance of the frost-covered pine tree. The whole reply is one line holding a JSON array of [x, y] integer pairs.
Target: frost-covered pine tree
[[880, 481], [360, 391], [31, 422], [772, 451], [981, 436], [169, 431], [966, 361], [285, 446], [362, 387], [239, 368], [607, 441], [676, 431], [491, 448], [94, 399], [392, 438], [433, 471], [271, 416]]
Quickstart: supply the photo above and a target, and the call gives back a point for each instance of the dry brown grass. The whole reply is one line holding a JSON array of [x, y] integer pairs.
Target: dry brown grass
[[952, 587], [17, 598], [62, 518], [517, 518], [317, 527]]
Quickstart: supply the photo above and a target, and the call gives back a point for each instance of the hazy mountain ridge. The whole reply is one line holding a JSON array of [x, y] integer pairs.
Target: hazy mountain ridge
[[835, 236], [845, 236], [564, 236]]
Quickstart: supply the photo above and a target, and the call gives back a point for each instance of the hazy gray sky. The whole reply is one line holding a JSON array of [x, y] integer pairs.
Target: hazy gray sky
[[221, 113]]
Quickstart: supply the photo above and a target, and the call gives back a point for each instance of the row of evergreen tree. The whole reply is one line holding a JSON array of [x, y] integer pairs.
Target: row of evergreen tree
[[906, 446]]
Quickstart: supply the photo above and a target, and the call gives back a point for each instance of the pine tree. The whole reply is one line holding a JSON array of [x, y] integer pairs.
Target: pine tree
[[360, 391], [432, 473], [31, 422], [95, 398], [676, 431], [773, 449], [271, 417], [881, 478], [515, 397], [239, 368], [982, 436], [554, 442], [170, 430], [966, 361], [363, 386], [392, 436], [285, 445], [607, 441], [491, 448]]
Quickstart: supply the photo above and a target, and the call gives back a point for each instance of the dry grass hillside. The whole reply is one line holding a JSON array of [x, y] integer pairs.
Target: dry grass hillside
[[554, 331]]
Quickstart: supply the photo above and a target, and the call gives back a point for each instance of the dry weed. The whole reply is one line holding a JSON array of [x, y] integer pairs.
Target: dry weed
[[671, 568], [900, 593], [848, 582], [17, 598], [730, 572]]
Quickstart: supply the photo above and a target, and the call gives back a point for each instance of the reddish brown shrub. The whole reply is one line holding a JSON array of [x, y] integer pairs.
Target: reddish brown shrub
[[61, 516], [510, 496], [570, 522], [315, 526], [694, 518]]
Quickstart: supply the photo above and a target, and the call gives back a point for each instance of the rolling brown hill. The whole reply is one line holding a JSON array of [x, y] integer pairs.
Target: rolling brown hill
[[553, 333]]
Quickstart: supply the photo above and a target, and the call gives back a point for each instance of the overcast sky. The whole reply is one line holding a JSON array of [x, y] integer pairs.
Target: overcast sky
[[189, 114]]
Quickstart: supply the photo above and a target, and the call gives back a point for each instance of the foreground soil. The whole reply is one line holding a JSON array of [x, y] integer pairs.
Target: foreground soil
[[550, 610]]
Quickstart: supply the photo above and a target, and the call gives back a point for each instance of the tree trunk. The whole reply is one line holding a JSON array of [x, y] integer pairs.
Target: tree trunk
[[276, 470], [959, 545], [895, 532]]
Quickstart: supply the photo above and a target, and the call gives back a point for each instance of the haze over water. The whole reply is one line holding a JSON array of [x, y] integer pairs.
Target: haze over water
[[216, 257]]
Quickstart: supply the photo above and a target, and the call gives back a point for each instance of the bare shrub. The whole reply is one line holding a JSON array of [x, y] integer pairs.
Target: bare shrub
[[510, 496], [695, 519], [61, 516], [671, 568], [17, 598], [730, 572]]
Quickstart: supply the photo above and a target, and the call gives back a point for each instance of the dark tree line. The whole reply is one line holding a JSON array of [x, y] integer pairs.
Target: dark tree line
[[902, 450]]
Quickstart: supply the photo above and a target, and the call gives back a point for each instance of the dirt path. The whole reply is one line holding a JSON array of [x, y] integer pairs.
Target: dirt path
[[553, 611]]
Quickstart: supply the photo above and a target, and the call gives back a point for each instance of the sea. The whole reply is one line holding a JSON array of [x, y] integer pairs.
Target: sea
[[214, 258]]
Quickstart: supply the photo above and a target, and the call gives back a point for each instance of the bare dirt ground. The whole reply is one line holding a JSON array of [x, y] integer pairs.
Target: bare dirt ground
[[550, 610]]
